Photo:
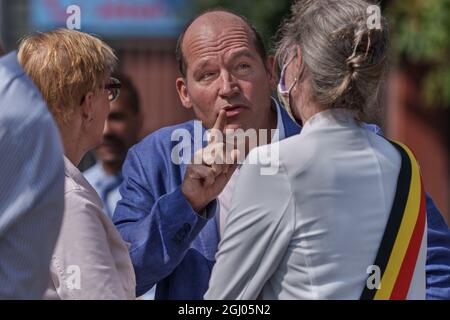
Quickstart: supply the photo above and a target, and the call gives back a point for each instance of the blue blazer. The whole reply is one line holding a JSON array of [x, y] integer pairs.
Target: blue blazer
[[174, 247]]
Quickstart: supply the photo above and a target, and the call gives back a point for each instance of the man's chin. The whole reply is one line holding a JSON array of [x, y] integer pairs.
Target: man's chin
[[111, 158], [234, 126], [109, 152]]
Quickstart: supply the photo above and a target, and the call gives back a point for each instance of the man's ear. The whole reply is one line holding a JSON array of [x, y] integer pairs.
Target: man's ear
[[183, 93], [271, 71], [87, 108]]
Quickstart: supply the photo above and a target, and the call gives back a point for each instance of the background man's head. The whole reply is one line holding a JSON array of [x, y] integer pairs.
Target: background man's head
[[2, 52], [224, 66], [122, 125]]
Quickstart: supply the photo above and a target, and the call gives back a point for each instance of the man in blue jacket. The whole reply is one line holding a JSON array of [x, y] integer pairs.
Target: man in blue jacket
[[173, 212]]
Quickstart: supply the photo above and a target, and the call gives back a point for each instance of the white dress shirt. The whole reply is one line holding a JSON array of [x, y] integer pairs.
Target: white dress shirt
[[311, 230]]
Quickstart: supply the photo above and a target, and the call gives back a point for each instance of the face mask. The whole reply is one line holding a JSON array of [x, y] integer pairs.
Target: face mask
[[284, 95]]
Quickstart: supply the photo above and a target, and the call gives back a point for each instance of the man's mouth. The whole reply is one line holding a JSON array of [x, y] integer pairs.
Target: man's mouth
[[234, 110], [114, 146]]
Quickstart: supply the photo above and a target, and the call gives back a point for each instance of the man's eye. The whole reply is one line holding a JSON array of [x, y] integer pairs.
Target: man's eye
[[243, 69], [243, 66], [207, 75]]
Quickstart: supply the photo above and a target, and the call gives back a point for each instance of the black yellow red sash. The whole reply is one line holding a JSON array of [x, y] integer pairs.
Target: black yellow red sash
[[402, 238]]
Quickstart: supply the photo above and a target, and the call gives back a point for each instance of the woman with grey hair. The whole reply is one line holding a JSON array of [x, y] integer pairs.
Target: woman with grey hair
[[343, 217]]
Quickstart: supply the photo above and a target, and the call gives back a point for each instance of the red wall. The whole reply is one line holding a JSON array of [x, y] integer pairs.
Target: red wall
[[153, 72], [424, 130]]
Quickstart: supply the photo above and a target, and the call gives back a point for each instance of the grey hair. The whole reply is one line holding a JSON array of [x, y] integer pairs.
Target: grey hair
[[346, 60]]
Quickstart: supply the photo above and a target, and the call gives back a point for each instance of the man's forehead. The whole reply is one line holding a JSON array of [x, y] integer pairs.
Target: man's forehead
[[213, 26], [229, 53], [213, 38], [217, 19]]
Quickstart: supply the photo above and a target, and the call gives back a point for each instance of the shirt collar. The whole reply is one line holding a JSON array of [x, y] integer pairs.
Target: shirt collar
[[100, 179], [335, 116], [73, 173]]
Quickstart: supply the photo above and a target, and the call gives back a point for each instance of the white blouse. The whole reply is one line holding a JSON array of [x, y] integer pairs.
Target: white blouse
[[311, 230], [91, 260]]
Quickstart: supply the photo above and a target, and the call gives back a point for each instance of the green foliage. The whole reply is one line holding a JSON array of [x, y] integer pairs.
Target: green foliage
[[266, 15], [420, 35]]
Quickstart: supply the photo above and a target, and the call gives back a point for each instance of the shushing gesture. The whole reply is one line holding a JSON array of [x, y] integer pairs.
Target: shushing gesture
[[211, 169]]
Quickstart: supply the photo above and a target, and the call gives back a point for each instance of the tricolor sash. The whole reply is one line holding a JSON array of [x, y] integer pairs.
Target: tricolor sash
[[402, 239]]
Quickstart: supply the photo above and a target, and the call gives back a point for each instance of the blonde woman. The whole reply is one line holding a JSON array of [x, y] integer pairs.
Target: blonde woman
[[72, 71]]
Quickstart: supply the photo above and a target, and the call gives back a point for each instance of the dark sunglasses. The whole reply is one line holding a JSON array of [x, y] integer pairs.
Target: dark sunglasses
[[113, 88]]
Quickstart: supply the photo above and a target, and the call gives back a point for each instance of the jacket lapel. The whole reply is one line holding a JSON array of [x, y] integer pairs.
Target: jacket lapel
[[290, 127], [209, 236]]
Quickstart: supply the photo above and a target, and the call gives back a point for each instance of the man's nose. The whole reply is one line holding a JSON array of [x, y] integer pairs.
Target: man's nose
[[229, 87]]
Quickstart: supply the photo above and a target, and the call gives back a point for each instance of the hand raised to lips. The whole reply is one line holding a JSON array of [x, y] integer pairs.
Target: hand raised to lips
[[211, 169]]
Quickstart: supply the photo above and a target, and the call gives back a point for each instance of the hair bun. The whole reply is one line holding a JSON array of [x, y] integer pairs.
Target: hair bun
[[343, 51], [369, 45]]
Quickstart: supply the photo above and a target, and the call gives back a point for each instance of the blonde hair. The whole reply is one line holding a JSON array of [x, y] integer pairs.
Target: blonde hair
[[65, 65]]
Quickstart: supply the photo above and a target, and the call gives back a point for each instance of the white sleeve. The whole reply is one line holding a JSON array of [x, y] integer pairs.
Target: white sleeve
[[258, 230], [83, 266]]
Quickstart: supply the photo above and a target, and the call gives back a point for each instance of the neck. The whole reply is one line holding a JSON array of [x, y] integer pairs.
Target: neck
[[309, 110], [74, 149], [306, 106]]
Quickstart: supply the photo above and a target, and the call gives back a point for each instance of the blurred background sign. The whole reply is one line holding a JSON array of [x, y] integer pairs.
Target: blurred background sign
[[112, 18]]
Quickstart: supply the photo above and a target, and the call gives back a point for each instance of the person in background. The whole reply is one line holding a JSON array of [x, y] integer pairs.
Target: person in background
[[73, 72], [31, 184], [120, 133]]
